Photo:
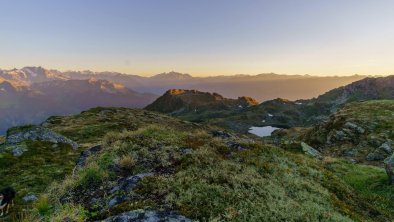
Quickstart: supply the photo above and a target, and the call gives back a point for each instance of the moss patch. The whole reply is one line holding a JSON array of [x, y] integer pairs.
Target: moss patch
[[33, 172]]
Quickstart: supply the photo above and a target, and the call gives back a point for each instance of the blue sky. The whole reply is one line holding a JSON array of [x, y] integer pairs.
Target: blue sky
[[201, 37]]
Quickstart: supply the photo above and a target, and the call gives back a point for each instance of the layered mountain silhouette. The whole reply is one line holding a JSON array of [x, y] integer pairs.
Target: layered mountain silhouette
[[277, 112], [262, 87], [34, 103], [150, 159], [31, 94]]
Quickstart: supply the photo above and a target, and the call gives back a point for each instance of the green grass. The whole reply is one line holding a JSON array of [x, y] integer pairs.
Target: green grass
[[33, 172], [89, 127], [369, 182], [375, 117], [210, 182], [215, 183]]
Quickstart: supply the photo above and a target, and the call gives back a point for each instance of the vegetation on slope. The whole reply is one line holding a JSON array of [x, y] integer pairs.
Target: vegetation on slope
[[196, 106], [31, 173], [202, 177], [154, 162], [279, 112], [363, 131], [370, 183]]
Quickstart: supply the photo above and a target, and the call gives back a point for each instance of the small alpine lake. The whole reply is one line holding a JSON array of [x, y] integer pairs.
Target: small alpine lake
[[262, 131]]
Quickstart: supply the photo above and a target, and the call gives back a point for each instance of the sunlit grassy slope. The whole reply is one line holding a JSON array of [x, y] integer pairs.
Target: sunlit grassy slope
[[196, 174]]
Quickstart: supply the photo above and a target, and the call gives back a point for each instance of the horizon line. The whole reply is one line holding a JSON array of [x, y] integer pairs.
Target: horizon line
[[192, 75]]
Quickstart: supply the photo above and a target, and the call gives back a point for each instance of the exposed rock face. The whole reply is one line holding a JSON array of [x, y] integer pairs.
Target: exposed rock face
[[38, 133], [151, 216]]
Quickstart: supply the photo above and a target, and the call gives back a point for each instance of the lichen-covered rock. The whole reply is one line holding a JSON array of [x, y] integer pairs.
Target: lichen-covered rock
[[308, 150], [186, 150], [38, 133], [30, 198], [387, 146], [125, 186], [381, 152], [350, 125], [18, 151], [117, 200], [149, 215], [85, 154]]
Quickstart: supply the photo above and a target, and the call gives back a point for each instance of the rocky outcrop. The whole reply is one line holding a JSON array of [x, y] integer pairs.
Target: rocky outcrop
[[37, 133], [221, 134], [310, 151], [180, 102], [148, 215], [381, 152], [360, 130], [348, 132]]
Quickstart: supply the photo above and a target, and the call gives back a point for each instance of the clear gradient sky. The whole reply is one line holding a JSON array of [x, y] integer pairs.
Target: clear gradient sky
[[200, 37]]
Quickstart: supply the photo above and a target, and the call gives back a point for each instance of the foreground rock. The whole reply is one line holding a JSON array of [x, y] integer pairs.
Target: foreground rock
[[151, 216], [310, 151], [15, 136], [389, 167], [381, 152], [125, 186], [18, 151], [30, 198], [360, 131], [87, 153]]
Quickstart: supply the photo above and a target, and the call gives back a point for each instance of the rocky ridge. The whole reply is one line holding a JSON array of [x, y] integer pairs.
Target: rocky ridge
[[180, 102]]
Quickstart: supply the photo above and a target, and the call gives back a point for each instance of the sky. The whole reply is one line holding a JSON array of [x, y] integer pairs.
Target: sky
[[200, 37]]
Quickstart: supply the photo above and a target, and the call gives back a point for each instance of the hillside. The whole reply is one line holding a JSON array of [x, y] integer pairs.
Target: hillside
[[153, 166], [363, 132], [285, 113]]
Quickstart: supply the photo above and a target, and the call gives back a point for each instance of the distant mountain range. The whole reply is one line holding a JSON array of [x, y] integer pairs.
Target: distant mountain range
[[31, 94], [262, 87]]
